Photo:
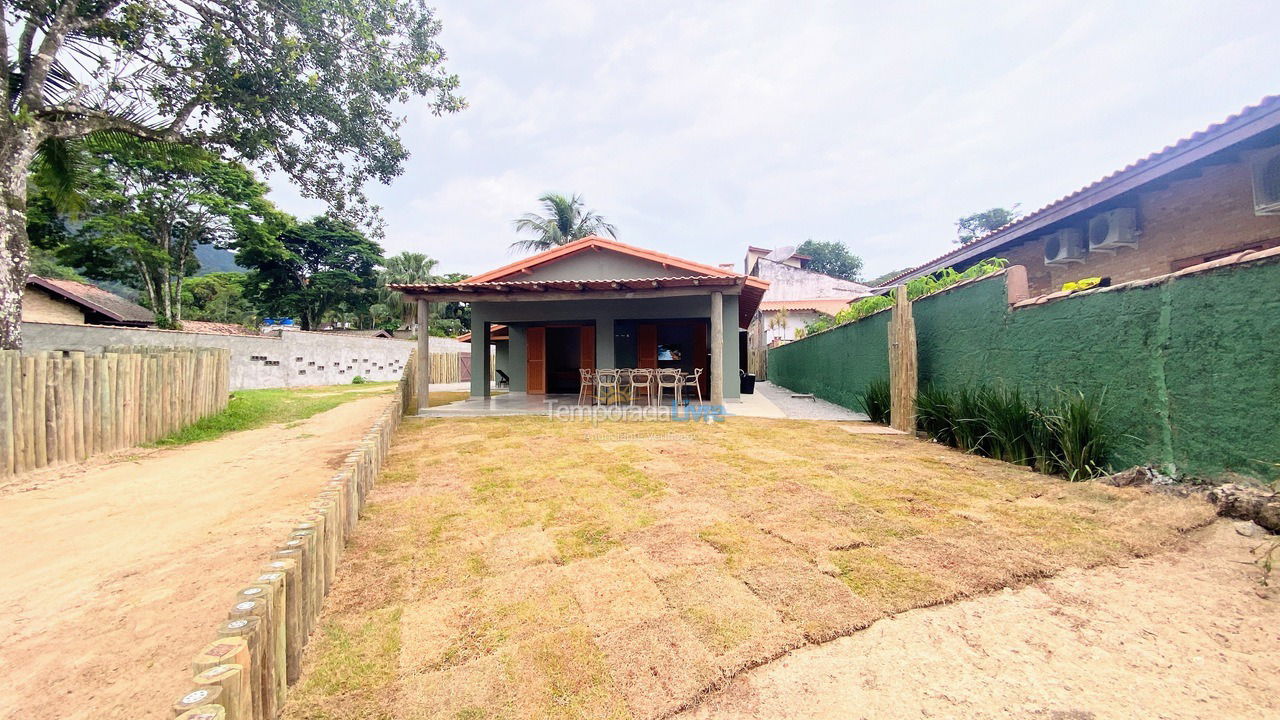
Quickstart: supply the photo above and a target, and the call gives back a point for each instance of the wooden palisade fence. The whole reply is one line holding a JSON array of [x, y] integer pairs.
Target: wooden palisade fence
[[62, 407], [255, 655], [445, 367], [902, 364]]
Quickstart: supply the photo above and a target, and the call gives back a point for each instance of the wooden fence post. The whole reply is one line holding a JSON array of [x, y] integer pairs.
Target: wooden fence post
[[902, 364]]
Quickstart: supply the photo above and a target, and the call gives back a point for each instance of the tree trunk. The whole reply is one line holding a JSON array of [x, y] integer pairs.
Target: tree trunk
[[17, 147], [164, 288]]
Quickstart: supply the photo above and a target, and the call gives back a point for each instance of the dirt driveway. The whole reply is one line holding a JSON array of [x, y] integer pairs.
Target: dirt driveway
[[1186, 633], [528, 568], [115, 572]]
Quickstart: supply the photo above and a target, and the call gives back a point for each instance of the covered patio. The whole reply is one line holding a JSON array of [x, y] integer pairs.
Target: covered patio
[[597, 304]]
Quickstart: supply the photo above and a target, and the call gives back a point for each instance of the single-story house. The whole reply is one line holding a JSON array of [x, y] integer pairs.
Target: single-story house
[[67, 302], [599, 303], [1212, 194]]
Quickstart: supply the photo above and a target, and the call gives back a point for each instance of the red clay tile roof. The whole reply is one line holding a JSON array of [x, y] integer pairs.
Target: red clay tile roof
[[216, 328], [1247, 123], [826, 306], [96, 300], [753, 288], [596, 242]]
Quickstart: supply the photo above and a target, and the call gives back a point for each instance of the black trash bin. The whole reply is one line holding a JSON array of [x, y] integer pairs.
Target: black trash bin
[[748, 383]]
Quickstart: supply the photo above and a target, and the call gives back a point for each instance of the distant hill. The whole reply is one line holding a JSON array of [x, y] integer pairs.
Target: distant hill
[[213, 259]]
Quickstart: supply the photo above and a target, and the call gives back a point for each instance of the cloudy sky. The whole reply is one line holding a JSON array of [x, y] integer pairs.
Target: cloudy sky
[[699, 128]]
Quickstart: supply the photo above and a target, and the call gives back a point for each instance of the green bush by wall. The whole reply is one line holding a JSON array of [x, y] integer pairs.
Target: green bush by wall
[[1190, 366]]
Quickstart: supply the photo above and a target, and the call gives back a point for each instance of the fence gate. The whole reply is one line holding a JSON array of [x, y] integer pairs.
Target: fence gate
[[902, 364], [464, 366]]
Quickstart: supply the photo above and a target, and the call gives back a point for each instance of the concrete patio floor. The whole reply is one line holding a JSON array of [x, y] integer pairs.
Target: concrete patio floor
[[518, 403]]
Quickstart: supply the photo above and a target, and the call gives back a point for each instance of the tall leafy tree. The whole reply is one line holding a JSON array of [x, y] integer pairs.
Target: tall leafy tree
[[149, 205], [972, 227], [312, 269], [306, 87], [218, 297], [831, 258], [564, 219]]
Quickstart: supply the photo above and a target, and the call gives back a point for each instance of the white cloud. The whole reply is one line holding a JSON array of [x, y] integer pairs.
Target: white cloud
[[700, 128]]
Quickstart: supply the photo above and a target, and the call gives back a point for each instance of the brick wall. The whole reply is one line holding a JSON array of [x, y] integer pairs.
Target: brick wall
[[1192, 218], [39, 306]]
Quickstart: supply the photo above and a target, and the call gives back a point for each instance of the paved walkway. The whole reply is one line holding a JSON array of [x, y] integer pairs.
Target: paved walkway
[[804, 409]]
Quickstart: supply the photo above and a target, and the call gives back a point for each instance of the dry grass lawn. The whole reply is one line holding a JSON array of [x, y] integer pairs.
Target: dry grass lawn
[[517, 568]]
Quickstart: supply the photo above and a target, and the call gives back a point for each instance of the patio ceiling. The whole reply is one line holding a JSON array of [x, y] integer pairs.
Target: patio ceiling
[[629, 288]]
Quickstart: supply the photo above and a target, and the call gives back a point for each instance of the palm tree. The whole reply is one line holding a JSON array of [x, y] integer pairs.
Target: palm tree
[[566, 220], [407, 268]]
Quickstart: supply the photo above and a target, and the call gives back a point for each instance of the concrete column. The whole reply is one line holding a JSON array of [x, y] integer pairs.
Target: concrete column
[[604, 343], [479, 354], [424, 355], [732, 383], [718, 379], [517, 355]]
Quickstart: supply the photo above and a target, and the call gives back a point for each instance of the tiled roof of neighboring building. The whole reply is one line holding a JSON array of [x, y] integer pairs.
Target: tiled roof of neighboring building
[[1247, 123], [96, 299], [375, 333], [826, 307], [216, 328]]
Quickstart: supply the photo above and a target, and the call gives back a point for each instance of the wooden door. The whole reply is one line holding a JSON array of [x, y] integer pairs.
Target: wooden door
[[647, 346], [535, 377], [587, 348], [700, 331]]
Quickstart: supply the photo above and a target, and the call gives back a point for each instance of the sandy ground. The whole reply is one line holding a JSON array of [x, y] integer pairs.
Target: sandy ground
[[1182, 634], [116, 571]]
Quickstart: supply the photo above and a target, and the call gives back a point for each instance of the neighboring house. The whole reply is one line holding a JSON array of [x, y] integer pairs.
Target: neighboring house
[[797, 296], [1210, 195], [67, 302], [784, 256], [599, 303]]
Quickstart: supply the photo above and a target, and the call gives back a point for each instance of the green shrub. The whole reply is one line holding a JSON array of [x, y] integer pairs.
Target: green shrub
[[1006, 420], [874, 400], [1043, 441], [1084, 443], [935, 413], [358, 380], [1070, 436], [966, 419]]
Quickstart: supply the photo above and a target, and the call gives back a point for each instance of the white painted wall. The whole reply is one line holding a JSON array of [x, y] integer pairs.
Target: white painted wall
[[285, 358]]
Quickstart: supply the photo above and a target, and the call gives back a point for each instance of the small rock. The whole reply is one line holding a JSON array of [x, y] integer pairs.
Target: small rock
[[1249, 529], [1136, 475]]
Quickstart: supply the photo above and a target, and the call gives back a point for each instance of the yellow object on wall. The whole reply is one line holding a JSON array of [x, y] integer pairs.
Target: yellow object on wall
[[1084, 284]]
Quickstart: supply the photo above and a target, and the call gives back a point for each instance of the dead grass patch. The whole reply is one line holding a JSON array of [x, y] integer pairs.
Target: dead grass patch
[[525, 571]]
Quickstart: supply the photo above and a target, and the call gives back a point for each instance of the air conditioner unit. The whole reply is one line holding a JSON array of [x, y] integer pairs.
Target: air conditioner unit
[[1063, 248], [1112, 230], [1266, 182]]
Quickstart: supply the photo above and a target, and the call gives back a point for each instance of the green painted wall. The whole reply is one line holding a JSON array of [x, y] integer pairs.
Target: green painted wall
[[1190, 366], [835, 365]]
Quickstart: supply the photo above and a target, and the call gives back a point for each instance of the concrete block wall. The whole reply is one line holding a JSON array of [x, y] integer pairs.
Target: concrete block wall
[[285, 358]]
